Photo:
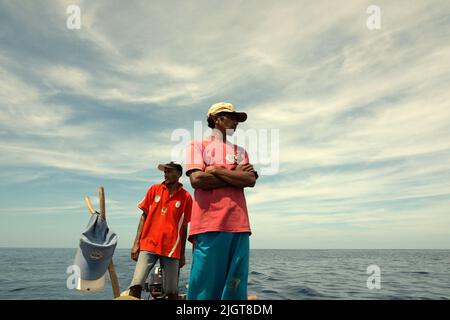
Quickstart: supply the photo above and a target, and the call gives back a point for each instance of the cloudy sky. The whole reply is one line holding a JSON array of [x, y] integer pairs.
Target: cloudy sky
[[363, 115]]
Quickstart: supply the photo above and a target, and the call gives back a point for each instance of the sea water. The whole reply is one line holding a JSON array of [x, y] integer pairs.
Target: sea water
[[274, 274]]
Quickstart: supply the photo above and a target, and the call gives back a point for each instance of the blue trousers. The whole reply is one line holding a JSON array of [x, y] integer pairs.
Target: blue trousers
[[220, 262]]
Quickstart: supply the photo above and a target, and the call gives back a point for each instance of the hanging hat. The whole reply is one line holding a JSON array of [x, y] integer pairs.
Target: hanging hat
[[95, 252]]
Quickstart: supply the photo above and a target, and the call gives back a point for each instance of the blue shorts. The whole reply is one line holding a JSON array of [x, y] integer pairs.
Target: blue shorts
[[219, 269]]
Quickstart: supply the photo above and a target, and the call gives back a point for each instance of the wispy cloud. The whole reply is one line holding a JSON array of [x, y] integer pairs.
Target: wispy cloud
[[363, 115]]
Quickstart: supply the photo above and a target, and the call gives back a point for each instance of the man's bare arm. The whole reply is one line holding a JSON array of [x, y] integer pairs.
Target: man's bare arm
[[183, 246], [236, 178], [135, 248], [140, 227], [206, 181]]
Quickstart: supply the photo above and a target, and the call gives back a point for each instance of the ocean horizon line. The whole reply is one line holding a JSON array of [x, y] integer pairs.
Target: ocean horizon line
[[285, 249]]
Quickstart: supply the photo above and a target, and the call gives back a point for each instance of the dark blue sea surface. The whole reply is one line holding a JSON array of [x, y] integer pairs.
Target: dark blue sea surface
[[274, 274]]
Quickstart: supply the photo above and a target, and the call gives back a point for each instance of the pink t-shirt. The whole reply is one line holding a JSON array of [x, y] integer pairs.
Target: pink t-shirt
[[221, 209]]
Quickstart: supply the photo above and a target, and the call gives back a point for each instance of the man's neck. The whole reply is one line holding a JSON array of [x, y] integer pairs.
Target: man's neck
[[218, 134], [172, 187]]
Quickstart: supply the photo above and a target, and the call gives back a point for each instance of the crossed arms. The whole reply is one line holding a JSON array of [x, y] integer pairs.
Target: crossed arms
[[217, 177]]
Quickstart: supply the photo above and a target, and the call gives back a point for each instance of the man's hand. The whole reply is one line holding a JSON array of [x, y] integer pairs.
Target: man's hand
[[213, 169], [243, 176], [182, 261], [245, 167], [135, 252], [241, 167]]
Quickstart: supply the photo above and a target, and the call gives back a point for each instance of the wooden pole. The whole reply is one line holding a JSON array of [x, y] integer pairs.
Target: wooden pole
[[111, 268], [89, 205], [114, 280], [101, 197]]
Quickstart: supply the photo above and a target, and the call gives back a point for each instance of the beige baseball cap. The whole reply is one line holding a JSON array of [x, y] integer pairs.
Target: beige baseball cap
[[226, 107]]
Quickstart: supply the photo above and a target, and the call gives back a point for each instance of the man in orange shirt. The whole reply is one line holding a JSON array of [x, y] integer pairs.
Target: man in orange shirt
[[162, 231]]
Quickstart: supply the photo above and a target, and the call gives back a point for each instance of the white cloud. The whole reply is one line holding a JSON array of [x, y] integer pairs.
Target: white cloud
[[363, 116]]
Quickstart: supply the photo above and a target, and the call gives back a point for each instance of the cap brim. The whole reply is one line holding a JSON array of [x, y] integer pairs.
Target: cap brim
[[92, 277], [241, 116], [161, 167], [91, 285]]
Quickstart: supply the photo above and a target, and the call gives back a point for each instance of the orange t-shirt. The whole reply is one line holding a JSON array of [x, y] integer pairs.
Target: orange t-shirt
[[166, 217]]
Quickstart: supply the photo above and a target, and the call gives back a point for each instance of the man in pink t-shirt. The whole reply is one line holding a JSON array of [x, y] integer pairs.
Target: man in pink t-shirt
[[220, 229]]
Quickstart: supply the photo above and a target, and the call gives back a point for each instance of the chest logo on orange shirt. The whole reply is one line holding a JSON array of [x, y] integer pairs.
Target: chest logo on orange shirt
[[163, 211], [157, 198], [177, 204]]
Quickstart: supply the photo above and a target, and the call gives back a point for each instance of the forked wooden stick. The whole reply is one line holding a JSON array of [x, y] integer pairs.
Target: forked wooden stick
[[111, 268]]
